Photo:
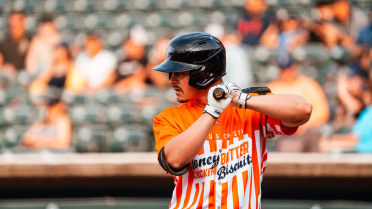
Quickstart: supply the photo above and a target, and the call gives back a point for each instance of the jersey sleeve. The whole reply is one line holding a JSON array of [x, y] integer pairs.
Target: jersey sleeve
[[273, 127], [165, 129]]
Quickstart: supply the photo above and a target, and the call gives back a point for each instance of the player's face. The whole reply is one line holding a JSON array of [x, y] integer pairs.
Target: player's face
[[180, 84]]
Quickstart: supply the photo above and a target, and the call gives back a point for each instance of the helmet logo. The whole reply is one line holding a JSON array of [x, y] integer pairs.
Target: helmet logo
[[170, 51]]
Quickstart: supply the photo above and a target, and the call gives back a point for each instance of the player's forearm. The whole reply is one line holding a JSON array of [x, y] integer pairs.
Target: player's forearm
[[290, 109], [180, 150]]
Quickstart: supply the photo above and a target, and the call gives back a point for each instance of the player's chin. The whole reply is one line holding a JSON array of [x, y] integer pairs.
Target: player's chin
[[182, 100]]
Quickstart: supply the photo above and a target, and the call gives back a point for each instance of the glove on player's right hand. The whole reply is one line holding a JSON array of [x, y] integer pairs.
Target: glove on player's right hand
[[239, 98], [214, 106]]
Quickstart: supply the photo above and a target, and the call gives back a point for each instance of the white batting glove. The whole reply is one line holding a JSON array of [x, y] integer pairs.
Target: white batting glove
[[216, 106], [239, 98]]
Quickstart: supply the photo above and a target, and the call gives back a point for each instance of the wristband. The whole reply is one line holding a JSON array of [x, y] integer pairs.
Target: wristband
[[242, 100], [212, 111]]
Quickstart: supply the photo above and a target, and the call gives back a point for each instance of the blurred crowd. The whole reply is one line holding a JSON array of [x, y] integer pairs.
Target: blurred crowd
[[266, 47]]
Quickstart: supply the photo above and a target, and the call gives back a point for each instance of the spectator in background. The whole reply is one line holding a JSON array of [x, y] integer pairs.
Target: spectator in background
[[286, 32], [339, 24], [95, 67], [348, 18], [365, 35], [135, 70], [254, 22], [14, 47], [292, 82], [359, 138], [53, 128], [323, 29], [156, 56], [131, 71], [353, 86], [40, 53], [57, 73], [238, 65]]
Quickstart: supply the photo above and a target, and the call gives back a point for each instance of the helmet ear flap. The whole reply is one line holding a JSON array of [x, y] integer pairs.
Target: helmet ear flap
[[201, 78]]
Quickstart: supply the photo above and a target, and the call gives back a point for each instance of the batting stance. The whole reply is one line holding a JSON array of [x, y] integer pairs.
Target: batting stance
[[216, 148]]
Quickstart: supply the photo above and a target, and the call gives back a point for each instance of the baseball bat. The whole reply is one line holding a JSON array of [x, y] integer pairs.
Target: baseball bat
[[219, 93]]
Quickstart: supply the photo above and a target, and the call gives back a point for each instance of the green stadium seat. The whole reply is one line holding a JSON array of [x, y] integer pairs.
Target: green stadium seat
[[23, 114], [91, 138], [130, 138], [12, 136], [143, 5], [232, 16], [123, 20], [108, 5], [114, 39], [123, 113], [87, 114], [66, 21], [79, 5], [108, 96], [75, 99], [32, 23], [313, 51], [154, 20], [3, 24], [23, 79]]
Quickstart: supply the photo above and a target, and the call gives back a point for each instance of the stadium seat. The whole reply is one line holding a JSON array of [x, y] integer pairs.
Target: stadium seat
[[123, 21], [23, 114], [75, 99], [67, 21], [108, 96], [153, 20], [91, 138], [86, 114], [123, 113], [114, 39], [23, 79], [130, 138], [12, 136], [31, 23]]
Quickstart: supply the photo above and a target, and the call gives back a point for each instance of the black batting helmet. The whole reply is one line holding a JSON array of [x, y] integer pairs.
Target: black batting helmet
[[200, 53]]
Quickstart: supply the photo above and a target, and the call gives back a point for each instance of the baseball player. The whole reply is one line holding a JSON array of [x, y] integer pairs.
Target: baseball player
[[216, 148]]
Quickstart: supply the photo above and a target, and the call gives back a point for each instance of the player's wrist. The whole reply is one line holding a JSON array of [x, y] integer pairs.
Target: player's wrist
[[242, 100], [213, 111]]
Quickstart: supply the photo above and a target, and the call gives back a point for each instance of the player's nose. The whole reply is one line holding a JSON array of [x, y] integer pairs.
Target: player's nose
[[172, 78]]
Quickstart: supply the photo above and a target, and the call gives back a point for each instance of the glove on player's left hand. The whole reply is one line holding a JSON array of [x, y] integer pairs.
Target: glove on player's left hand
[[239, 98], [214, 106]]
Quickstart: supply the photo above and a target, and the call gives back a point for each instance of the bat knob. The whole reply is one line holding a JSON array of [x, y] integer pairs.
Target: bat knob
[[218, 93]]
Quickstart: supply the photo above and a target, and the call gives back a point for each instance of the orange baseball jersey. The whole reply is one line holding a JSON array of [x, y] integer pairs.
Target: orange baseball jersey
[[228, 170]]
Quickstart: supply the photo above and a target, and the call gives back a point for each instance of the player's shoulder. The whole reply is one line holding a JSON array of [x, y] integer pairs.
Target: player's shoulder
[[175, 110]]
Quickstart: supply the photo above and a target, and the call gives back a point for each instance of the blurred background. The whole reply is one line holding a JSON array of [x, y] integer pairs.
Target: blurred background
[[76, 79]]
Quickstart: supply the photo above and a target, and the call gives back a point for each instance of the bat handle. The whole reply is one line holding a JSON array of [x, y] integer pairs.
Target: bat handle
[[218, 93]]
